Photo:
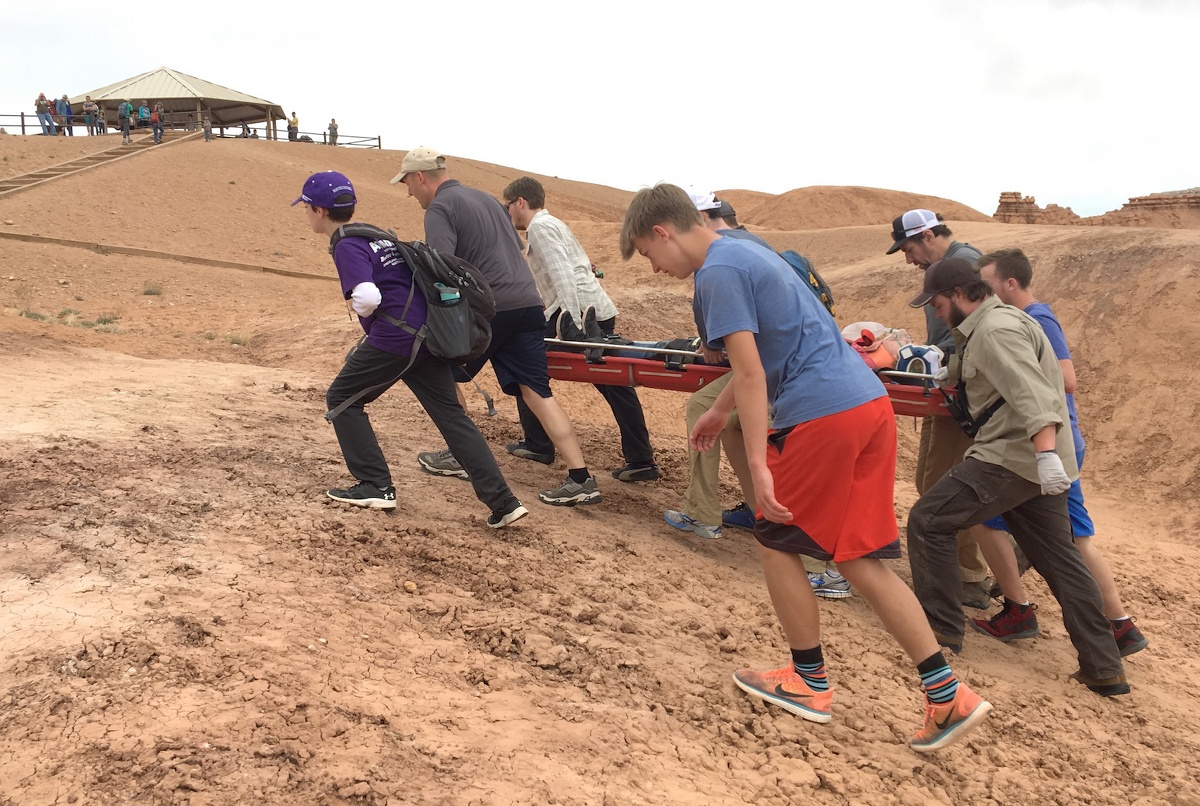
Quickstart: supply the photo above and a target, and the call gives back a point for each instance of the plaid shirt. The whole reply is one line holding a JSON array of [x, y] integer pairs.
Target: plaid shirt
[[563, 271]]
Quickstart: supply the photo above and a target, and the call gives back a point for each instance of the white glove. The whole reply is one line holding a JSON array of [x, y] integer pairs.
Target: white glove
[[365, 298], [1052, 474]]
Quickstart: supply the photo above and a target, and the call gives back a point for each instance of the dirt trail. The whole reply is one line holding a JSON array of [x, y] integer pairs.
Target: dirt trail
[[185, 618]]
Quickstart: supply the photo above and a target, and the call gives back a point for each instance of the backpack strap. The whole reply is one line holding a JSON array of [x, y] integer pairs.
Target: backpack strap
[[419, 334]]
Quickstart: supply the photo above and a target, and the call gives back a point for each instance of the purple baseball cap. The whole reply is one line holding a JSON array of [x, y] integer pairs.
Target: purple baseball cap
[[323, 188]]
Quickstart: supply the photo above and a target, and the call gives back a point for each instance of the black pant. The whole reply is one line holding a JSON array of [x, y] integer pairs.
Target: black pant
[[626, 409], [969, 494], [431, 383]]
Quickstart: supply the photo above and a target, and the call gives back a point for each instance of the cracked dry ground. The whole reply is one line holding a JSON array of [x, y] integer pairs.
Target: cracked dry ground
[[186, 619]]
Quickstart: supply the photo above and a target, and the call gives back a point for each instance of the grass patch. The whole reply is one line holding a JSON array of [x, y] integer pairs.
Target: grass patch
[[239, 339], [109, 328], [152, 290], [107, 318], [34, 315], [65, 312], [85, 323], [208, 335]]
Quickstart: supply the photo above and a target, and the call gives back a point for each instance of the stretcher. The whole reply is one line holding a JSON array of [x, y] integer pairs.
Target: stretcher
[[912, 394]]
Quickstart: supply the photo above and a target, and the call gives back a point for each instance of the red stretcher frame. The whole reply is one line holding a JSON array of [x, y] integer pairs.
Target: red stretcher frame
[[907, 400]]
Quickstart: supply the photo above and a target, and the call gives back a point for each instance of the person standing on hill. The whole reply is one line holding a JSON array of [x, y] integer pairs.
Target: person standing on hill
[[820, 439], [332, 132], [124, 118], [293, 128], [1009, 273], [143, 118], [379, 287], [471, 224], [567, 286], [158, 122], [89, 115], [63, 108], [924, 239], [207, 125], [1010, 397], [45, 115]]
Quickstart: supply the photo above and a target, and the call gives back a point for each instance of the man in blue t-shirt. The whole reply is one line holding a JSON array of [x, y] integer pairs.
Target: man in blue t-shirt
[[1009, 273], [378, 286], [820, 441]]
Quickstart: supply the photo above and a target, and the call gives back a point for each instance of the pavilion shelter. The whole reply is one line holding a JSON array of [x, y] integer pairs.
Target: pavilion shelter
[[182, 96]]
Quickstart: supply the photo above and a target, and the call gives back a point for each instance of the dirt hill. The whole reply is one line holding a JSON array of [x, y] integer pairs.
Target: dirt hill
[[185, 618], [820, 207]]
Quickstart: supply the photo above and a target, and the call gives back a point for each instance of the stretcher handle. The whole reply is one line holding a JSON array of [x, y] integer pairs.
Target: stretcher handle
[[895, 373], [612, 348]]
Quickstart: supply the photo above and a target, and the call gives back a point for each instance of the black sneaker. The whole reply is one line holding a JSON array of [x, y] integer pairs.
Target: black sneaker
[[637, 473], [366, 494], [521, 451], [505, 515]]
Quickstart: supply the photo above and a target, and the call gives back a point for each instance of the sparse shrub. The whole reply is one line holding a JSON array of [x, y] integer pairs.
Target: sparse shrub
[[85, 323], [39, 317], [65, 312], [239, 339], [152, 290], [208, 335], [107, 318], [109, 328]]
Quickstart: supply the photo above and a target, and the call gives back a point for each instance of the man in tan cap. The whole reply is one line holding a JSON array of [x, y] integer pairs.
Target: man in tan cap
[[474, 226]]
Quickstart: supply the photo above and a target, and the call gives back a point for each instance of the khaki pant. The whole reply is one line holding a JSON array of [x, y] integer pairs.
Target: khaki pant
[[942, 447], [703, 496]]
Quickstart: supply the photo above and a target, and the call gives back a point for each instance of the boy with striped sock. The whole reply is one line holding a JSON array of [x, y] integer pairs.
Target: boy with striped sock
[[818, 469]]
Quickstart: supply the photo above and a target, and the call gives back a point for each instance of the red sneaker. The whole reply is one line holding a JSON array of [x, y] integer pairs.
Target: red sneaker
[[1014, 622], [1129, 637]]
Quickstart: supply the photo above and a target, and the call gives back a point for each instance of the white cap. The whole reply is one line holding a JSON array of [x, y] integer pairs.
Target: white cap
[[703, 200]]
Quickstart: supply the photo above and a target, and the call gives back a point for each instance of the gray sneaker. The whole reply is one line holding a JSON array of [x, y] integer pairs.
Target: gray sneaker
[[441, 463], [570, 493]]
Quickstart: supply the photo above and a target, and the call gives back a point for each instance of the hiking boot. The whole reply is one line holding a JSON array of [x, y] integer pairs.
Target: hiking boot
[[366, 494], [521, 451], [648, 472], [955, 645], [685, 523], [441, 463], [1129, 638], [979, 594], [1105, 687], [1014, 622], [830, 585], [505, 515], [785, 688], [946, 723], [571, 492], [740, 517]]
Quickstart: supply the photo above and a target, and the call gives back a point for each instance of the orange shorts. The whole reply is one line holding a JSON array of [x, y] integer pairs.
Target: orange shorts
[[836, 474]]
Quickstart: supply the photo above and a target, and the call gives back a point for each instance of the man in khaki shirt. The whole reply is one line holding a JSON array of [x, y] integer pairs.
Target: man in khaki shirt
[[1021, 464]]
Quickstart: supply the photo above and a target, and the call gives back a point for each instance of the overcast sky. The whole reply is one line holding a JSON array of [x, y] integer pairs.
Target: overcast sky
[[1083, 103]]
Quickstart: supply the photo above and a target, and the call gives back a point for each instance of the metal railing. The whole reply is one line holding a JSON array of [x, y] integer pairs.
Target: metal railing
[[27, 123]]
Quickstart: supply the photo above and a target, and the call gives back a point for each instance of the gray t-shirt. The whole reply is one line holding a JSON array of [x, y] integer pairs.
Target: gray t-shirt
[[938, 332], [471, 224]]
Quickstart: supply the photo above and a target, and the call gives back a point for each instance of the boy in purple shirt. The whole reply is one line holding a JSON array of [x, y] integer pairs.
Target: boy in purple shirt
[[377, 284]]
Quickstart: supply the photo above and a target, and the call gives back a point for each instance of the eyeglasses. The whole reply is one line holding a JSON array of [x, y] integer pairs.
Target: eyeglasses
[[508, 205]]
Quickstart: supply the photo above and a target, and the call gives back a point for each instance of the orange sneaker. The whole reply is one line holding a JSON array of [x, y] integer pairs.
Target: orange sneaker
[[785, 688], [946, 724]]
